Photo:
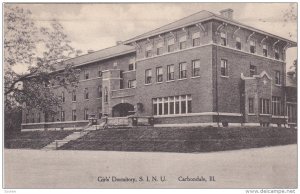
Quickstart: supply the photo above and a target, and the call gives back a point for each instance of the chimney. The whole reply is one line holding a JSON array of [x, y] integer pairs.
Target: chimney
[[227, 13], [90, 51], [119, 42]]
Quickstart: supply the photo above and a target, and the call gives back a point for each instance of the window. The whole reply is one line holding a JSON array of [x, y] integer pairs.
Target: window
[[86, 74], [238, 44], [171, 45], [224, 67], [265, 50], [131, 83], [86, 114], [251, 105], [196, 39], [62, 116], [252, 46], [74, 115], [253, 70], [277, 78], [196, 68], [223, 39], [99, 113], [182, 70], [86, 93], [276, 105], [130, 67], [99, 91], [149, 51], [39, 117], [115, 64], [63, 96], [105, 95], [159, 49], [264, 106], [159, 74], [99, 72], [170, 72], [182, 42], [277, 53], [172, 105], [27, 118], [148, 76], [73, 96], [32, 117]]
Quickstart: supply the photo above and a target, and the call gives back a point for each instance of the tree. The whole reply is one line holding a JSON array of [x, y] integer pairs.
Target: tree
[[42, 51]]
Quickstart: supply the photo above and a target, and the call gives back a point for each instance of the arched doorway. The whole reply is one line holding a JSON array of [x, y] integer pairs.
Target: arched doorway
[[122, 110]]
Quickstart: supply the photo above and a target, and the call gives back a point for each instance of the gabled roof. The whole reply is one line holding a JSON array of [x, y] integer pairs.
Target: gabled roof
[[197, 18], [98, 56]]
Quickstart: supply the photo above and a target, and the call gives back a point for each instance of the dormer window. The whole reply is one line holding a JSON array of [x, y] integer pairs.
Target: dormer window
[[149, 51], [238, 44], [265, 50], [159, 48], [182, 42], [171, 45], [252, 46], [223, 39], [276, 53], [196, 39]]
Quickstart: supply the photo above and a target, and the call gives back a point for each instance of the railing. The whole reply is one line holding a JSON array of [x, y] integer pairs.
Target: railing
[[123, 92], [118, 121]]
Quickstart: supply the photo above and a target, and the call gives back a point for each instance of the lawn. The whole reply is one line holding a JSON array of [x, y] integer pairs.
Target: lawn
[[195, 139], [33, 139]]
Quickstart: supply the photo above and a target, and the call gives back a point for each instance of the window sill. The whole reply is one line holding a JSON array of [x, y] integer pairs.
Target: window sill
[[251, 114], [159, 82], [225, 76], [170, 81], [278, 85], [194, 77], [182, 79], [148, 84], [264, 114], [74, 101]]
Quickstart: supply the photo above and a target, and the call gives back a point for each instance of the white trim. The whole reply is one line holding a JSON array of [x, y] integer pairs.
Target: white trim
[[125, 96], [187, 125], [111, 70], [251, 124], [129, 71], [182, 79], [295, 103], [279, 117], [60, 122], [110, 79], [176, 51], [168, 81], [265, 115], [198, 114]]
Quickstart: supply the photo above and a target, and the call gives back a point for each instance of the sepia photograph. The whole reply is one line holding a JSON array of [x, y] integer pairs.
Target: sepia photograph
[[148, 95]]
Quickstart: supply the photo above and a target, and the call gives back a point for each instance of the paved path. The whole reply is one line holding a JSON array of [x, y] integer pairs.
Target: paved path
[[273, 167]]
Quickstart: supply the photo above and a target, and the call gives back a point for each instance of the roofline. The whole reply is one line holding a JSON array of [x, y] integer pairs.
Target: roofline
[[293, 43], [100, 59]]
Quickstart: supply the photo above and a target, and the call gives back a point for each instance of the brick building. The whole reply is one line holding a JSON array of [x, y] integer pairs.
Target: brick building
[[204, 69]]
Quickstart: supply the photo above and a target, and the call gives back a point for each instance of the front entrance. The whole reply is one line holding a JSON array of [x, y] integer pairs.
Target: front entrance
[[122, 110]]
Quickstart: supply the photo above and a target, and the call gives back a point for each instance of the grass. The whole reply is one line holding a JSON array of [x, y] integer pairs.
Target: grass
[[195, 139], [34, 139]]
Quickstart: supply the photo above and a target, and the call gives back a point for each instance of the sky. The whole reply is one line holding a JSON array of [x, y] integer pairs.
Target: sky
[[98, 26]]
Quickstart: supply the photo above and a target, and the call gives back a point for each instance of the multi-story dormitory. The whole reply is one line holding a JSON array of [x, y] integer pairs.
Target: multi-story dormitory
[[204, 69]]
